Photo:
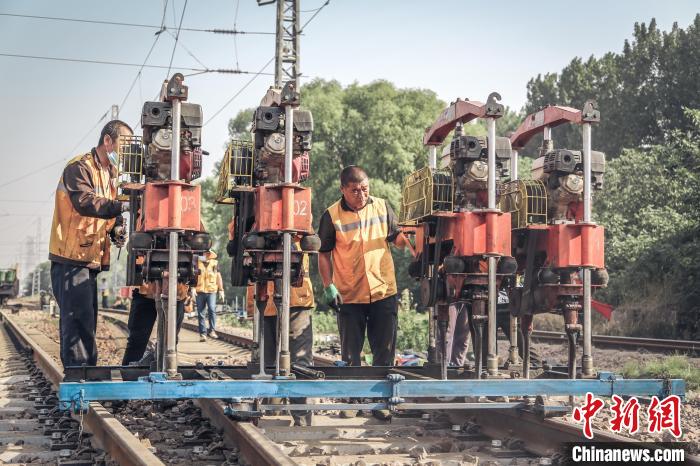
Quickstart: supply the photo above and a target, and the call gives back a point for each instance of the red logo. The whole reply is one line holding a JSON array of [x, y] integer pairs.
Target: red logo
[[625, 415], [587, 412], [665, 415]]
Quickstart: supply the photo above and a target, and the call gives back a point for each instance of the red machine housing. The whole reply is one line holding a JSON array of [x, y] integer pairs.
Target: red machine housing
[[283, 208], [171, 205]]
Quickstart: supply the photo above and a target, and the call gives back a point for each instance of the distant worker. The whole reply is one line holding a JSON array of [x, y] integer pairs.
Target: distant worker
[[357, 270], [119, 303], [83, 223], [142, 317], [209, 284], [103, 288]]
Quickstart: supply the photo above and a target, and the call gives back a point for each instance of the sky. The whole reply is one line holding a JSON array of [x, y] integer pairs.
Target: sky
[[51, 111]]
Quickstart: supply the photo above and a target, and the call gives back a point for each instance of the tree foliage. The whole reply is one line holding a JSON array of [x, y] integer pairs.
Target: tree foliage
[[640, 91], [649, 209]]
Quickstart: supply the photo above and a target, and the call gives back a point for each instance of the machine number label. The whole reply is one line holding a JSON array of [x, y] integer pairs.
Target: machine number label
[[188, 203], [300, 208]]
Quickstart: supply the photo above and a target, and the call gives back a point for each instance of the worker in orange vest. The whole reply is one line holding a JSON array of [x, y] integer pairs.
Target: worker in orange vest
[[86, 216], [357, 270]]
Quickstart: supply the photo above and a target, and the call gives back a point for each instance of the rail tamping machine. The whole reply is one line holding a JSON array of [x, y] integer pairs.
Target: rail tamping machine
[[558, 247], [462, 238], [271, 210], [166, 233]]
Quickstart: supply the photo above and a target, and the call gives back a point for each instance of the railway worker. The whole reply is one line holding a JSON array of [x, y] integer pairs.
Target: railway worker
[[357, 270], [458, 335], [142, 317], [83, 223], [103, 288], [209, 284]]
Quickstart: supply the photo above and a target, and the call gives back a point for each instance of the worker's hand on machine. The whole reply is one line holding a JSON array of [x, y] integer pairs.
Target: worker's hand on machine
[[118, 232], [402, 241], [222, 296], [333, 297]]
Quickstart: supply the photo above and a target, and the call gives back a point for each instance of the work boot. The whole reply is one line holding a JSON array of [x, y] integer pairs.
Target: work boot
[[382, 414], [303, 420], [202, 337], [212, 334], [147, 358], [348, 413]]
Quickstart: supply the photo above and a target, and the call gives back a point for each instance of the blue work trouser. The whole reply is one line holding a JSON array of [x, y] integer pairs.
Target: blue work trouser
[[75, 289], [206, 300]]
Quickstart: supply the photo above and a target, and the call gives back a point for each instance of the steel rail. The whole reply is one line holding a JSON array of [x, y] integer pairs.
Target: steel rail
[[542, 335], [540, 436], [655, 344], [250, 440], [108, 432]]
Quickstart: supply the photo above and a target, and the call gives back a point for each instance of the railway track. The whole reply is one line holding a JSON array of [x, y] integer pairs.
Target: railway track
[[628, 343], [43, 433], [441, 438]]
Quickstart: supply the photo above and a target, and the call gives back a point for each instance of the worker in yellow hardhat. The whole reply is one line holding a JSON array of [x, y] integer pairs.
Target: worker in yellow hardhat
[[209, 284], [357, 269], [83, 224]]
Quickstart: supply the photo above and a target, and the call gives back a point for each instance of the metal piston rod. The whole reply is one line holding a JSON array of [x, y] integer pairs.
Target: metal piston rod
[[171, 315], [587, 362], [492, 357]]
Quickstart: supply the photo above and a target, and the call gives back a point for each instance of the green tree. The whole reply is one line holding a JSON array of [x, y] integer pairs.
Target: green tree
[[649, 208], [640, 91]]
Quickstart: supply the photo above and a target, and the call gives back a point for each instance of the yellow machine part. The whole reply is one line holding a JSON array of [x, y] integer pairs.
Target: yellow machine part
[[130, 167], [526, 200], [236, 171], [426, 192]]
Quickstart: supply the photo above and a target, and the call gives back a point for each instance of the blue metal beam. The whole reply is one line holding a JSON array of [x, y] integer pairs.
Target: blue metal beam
[[156, 387]]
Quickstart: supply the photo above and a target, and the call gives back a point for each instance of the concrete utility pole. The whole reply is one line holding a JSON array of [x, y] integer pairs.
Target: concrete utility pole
[[115, 112]]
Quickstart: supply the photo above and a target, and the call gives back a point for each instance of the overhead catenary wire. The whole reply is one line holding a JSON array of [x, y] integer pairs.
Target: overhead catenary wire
[[261, 72], [101, 62], [240, 91], [138, 25], [177, 36], [56, 162], [138, 73]]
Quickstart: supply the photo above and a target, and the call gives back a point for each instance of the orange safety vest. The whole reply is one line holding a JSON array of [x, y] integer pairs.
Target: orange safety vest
[[77, 238], [299, 296], [363, 269], [208, 274], [148, 290]]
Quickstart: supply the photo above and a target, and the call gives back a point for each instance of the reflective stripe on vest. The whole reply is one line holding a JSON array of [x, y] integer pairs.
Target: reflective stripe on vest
[[363, 270], [78, 238]]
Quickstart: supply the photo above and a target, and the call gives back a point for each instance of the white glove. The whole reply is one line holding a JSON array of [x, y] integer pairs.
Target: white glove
[[222, 297]]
